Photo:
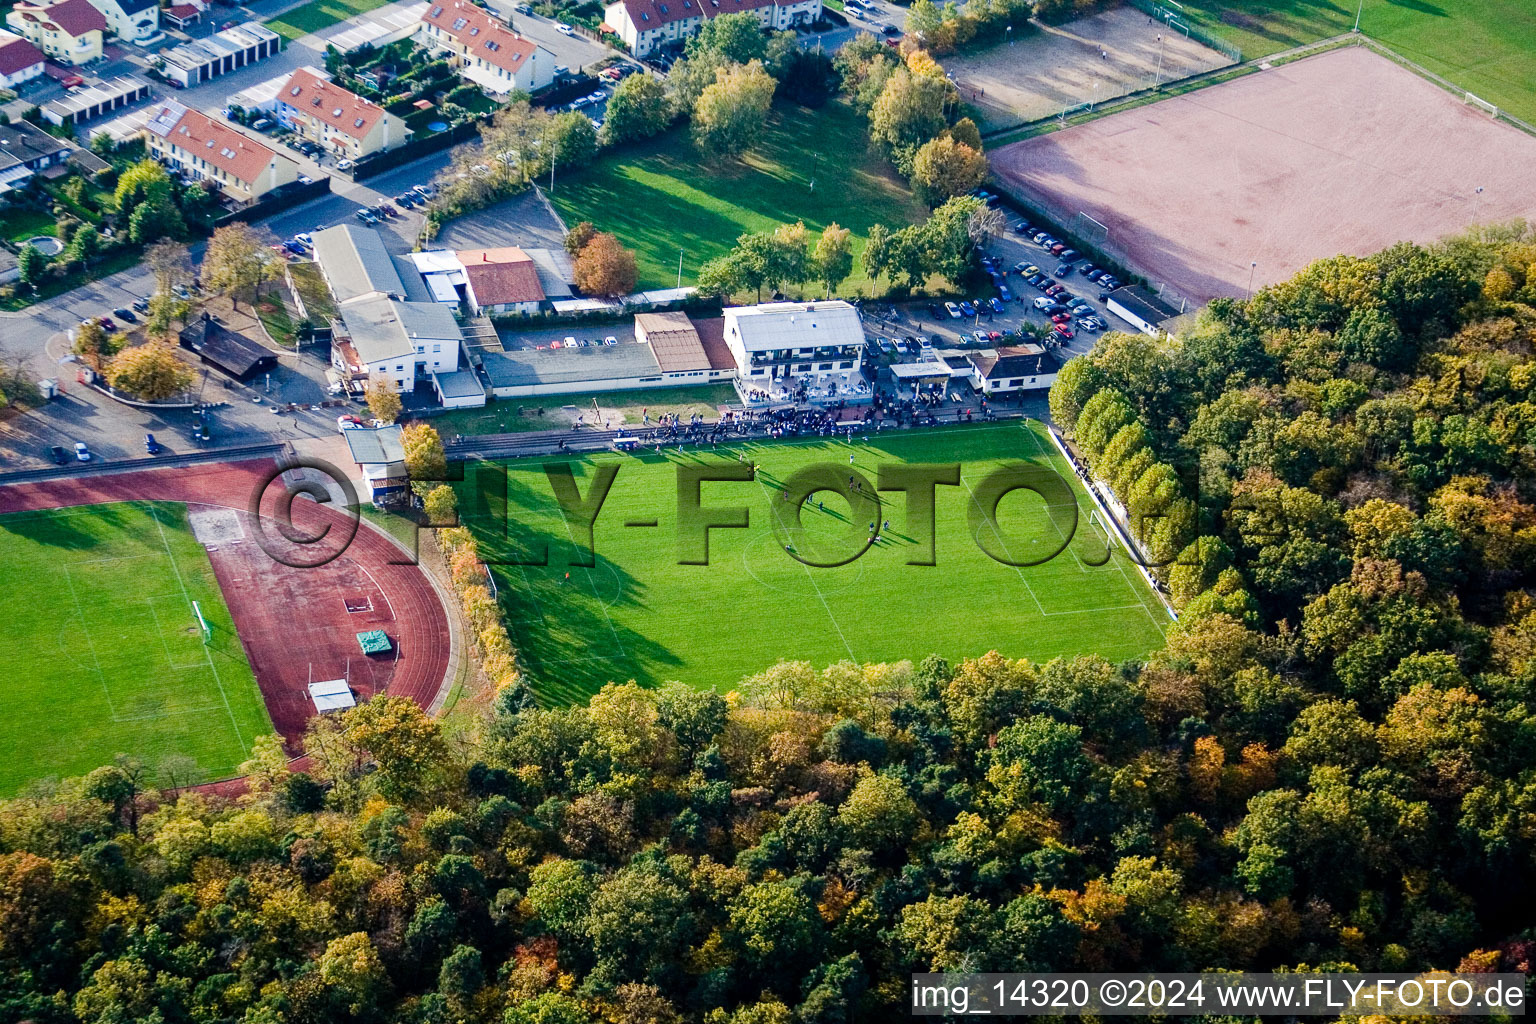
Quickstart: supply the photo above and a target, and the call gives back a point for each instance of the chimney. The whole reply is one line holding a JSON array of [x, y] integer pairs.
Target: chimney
[[485, 257]]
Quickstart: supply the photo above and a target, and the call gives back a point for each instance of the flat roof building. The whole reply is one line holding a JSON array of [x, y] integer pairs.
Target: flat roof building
[[1140, 308]]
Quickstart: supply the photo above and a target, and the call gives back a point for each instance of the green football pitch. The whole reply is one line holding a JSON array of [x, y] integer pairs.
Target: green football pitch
[[1485, 46], [636, 613], [103, 653]]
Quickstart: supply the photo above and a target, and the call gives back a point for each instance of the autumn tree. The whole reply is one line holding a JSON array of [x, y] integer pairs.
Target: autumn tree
[[424, 457], [240, 258], [383, 400], [170, 263], [150, 372], [943, 168], [604, 267], [731, 114]]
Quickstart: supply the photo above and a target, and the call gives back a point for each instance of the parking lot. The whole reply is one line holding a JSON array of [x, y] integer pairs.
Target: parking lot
[[916, 319]]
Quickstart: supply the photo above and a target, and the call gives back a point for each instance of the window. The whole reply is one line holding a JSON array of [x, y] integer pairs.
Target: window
[[475, 31], [459, 23], [493, 46], [1016, 382], [295, 90], [336, 112], [358, 123], [227, 152], [436, 12]]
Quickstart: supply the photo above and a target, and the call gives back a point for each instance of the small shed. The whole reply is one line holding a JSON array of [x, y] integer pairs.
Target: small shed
[[460, 389], [222, 348], [331, 695]]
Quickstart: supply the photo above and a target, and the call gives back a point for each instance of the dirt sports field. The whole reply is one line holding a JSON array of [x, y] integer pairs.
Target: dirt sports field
[[296, 624], [1089, 60], [1343, 152]]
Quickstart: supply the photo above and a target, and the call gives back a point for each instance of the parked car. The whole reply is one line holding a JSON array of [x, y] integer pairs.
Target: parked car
[[523, 9], [1088, 270], [58, 455], [980, 337], [1044, 303], [1053, 290], [564, 29], [936, 311], [261, 124], [1025, 268], [346, 423], [1036, 279], [1061, 318], [107, 323], [966, 308], [1062, 271], [1070, 255], [1064, 331], [142, 305], [1109, 282], [82, 453], [1022, 228], [124, 313], [1039, 236], [953, 310], [1087, 323], [366, 216], [1057, 248], [996, 304], [1081, 309], [1004, 293], [344, 165], [425, 191], [151, 446]]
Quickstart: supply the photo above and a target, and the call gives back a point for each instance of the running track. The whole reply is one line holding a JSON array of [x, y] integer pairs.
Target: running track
[[419, 627]]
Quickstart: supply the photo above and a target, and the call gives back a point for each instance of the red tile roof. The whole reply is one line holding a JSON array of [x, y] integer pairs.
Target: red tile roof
[[501, 275], [75, 17], [346, 112], [17, 54], [712, 338], [649, 14], [483, 36], [220, 145]]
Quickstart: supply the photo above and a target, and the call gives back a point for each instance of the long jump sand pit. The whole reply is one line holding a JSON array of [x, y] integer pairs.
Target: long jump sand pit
[[1345, 152], [1090, 60]]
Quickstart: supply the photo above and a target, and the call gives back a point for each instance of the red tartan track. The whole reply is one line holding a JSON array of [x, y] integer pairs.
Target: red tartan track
[[293, 622]]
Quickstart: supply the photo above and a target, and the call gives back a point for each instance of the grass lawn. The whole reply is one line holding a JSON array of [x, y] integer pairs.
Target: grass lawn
[[1486, 46], [312, 17], [312, 290], [638, 614], [274, 317], [102, 651], [19, 223], [501, 417], [661, 195]]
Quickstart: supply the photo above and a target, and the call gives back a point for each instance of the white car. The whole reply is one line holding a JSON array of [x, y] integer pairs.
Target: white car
[[953, 310], [1044, 302], [343, 165], [82, 453], [565, 29], [346, 423]]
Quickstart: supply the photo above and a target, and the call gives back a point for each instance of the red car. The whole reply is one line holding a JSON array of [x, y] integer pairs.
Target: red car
[[1062, 318], [1063, 330], [995, 335], [1054, 290]]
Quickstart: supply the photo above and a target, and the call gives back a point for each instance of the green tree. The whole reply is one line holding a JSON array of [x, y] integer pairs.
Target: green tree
[[736, 38], [383, 400], [30, 263], [909, 112], [149, 372], [572, 139], [878, 813], [731, 114], [637, 110], [85, 246], [832, 259]]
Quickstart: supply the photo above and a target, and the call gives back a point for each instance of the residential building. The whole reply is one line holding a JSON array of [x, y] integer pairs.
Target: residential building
[[777, 341], [649, 25], [26, 149], [133, 21], [1014, 368], [70, 31], [401, 342], [196, 62], [198, 146], [486, 50], [20, 60], [379, 332], [1140, 308], [345, 123]]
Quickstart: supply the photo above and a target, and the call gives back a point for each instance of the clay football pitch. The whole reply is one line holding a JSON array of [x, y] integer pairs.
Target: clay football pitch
[[1062, 67], [1344, 152]]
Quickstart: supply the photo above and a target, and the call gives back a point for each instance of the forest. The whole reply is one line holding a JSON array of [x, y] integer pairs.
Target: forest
[[1330, 764]]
